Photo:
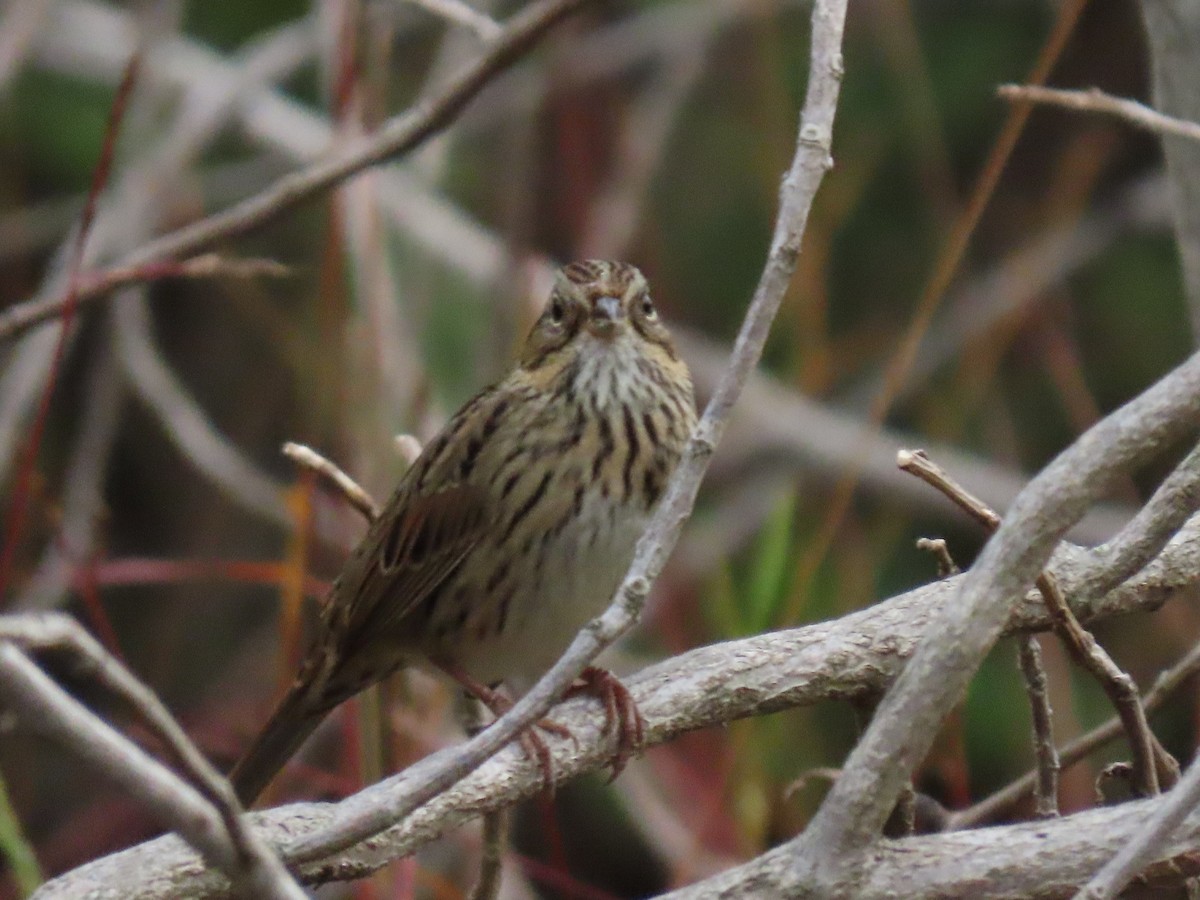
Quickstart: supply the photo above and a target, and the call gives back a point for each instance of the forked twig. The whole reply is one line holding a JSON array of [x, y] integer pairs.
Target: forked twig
[[1151, 763]]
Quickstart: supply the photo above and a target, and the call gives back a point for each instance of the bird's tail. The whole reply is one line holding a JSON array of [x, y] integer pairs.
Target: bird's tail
[[293, 720]]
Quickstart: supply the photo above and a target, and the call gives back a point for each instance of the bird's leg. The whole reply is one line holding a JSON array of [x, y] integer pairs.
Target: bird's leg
[[620, 711], [533, 744]]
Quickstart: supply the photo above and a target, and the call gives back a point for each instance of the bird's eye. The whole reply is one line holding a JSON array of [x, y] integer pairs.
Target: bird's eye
[[648, 309], [558, 311]]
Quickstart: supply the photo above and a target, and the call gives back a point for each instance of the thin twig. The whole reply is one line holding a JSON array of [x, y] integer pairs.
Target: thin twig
[[459, 13], [1002, 800], [207, 815], [491, 863], [82, 500], [962, 631], [1029, 655], [1147, 844], [1096, 101], [396, 137], [1151, 763], [20, 318], [130, 212], [350, 489], [382, 805], [14, 521], [702, 688], [946, 566]]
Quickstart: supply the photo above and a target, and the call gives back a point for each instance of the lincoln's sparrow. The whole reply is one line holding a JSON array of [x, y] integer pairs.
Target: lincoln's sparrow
[[515, 525]]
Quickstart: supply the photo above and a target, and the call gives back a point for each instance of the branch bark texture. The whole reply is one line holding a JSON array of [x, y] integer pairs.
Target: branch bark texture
[[856, 656], [909, 716]]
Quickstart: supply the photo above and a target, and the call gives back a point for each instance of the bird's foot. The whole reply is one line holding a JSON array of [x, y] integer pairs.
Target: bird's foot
[[498, 704], [620, 710]]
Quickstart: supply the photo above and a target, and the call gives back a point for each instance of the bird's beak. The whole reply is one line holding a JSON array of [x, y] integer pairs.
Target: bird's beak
[[606, 313]]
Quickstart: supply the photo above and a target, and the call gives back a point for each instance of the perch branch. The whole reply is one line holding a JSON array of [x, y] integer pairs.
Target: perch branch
[[854, 657], [900, 734]]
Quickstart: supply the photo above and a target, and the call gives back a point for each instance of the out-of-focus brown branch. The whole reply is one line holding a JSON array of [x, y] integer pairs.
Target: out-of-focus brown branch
[[396, 137], [20, 318]]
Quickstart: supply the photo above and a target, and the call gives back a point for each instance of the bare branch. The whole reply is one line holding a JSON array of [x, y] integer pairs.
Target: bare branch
[[1145, 845], [1151, 763], [1042, 860], [1029, 655], [850, 658], [1173, 503], [1164, 687], [20, 318], [1096, 101], [350, 489], [899, 736], [396, 137], [209, 818]]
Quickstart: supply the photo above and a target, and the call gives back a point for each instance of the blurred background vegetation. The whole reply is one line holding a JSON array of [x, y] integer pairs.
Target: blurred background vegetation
[[652, 131]]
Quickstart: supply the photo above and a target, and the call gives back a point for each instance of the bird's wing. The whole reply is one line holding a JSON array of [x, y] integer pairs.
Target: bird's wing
[[419, 545]]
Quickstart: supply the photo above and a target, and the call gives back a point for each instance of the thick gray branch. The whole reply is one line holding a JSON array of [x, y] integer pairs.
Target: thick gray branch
[[854, 656], [907, 719], [1030, 861]]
